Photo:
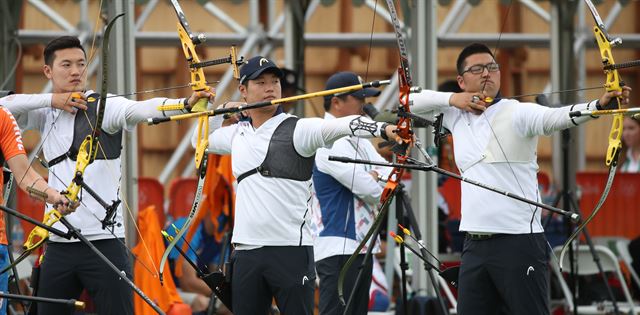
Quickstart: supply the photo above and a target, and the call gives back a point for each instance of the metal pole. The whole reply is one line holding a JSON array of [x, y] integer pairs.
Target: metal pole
[[52, 15], [123, 49], [151, 5], [294, 44], [562, 71], [455, 17], [424, 22], [224, 18]]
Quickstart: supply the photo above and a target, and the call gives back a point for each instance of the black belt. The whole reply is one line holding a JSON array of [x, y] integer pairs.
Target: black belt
[[482, 237]]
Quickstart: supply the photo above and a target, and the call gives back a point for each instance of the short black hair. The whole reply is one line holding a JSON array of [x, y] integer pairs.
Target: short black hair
[[62, 42], [449, 86], [475, 48], [327, 100]]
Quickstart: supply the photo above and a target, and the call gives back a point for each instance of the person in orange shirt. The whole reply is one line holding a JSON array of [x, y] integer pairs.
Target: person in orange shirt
[[12, 151]]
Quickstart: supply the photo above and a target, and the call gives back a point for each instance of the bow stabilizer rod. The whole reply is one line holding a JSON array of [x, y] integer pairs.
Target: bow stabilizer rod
[[417, 165], [77, 305], [233, 110], [634, 112], [121, 273]]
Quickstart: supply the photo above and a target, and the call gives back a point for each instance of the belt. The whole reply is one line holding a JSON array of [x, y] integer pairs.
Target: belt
[[481, 237]]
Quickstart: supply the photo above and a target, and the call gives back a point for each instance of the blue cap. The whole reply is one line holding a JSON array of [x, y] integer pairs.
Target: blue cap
[[347, 78], [256, 66]]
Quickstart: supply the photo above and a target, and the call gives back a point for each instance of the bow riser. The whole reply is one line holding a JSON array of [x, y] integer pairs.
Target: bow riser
[[613, 83], [198, 81]]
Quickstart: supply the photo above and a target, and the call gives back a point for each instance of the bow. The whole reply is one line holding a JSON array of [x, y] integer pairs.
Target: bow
[[198, 83], [401, 150], [89, 147], [612, 83]]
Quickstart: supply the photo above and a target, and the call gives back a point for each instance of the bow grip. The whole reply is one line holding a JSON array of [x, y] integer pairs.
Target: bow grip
[[200, 105], [615, 144]]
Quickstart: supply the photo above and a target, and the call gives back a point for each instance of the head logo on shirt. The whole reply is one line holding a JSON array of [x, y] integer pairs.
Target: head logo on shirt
[[16, 129]]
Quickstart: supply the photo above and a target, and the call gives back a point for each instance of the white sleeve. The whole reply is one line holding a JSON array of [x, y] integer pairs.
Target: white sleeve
[[355, 178], [122, 112], [29, 110], [311, 134], [428, 101], [531, 119], [215, 122], [220, 139]]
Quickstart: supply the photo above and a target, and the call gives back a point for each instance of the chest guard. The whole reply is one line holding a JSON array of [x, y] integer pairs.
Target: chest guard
[[110, 145], [282, 160]]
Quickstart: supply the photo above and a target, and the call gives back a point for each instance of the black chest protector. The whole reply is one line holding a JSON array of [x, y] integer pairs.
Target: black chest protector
[[282, 160], [110, 145]]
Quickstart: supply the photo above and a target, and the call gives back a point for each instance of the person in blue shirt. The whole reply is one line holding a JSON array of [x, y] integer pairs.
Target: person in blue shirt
[[205, 252]]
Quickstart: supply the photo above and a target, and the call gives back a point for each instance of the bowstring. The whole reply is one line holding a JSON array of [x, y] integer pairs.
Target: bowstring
[[110, 230]]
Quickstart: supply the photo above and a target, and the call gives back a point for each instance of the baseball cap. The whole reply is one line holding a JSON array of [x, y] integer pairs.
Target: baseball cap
[[257, 66], [347, 78]]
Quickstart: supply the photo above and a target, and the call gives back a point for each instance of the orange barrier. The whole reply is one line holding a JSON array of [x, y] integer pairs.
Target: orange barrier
[[166, 296], [619, 216], [450, 191], [620, 213]]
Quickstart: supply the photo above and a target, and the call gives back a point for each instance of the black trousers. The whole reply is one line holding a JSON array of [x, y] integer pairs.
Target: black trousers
[[328, 271], [506, 272], [68, 268], [284, 272]]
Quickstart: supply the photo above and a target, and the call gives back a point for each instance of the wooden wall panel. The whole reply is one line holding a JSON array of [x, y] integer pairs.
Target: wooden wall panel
[[163, 66], [620, 213]]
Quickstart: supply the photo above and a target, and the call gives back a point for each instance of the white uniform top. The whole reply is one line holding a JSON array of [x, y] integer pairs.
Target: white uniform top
[[34, 111], [630, 165], [498, 148], [354, 196], [273, 211]]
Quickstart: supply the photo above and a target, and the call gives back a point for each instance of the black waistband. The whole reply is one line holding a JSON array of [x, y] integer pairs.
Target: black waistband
[[482, 237]]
